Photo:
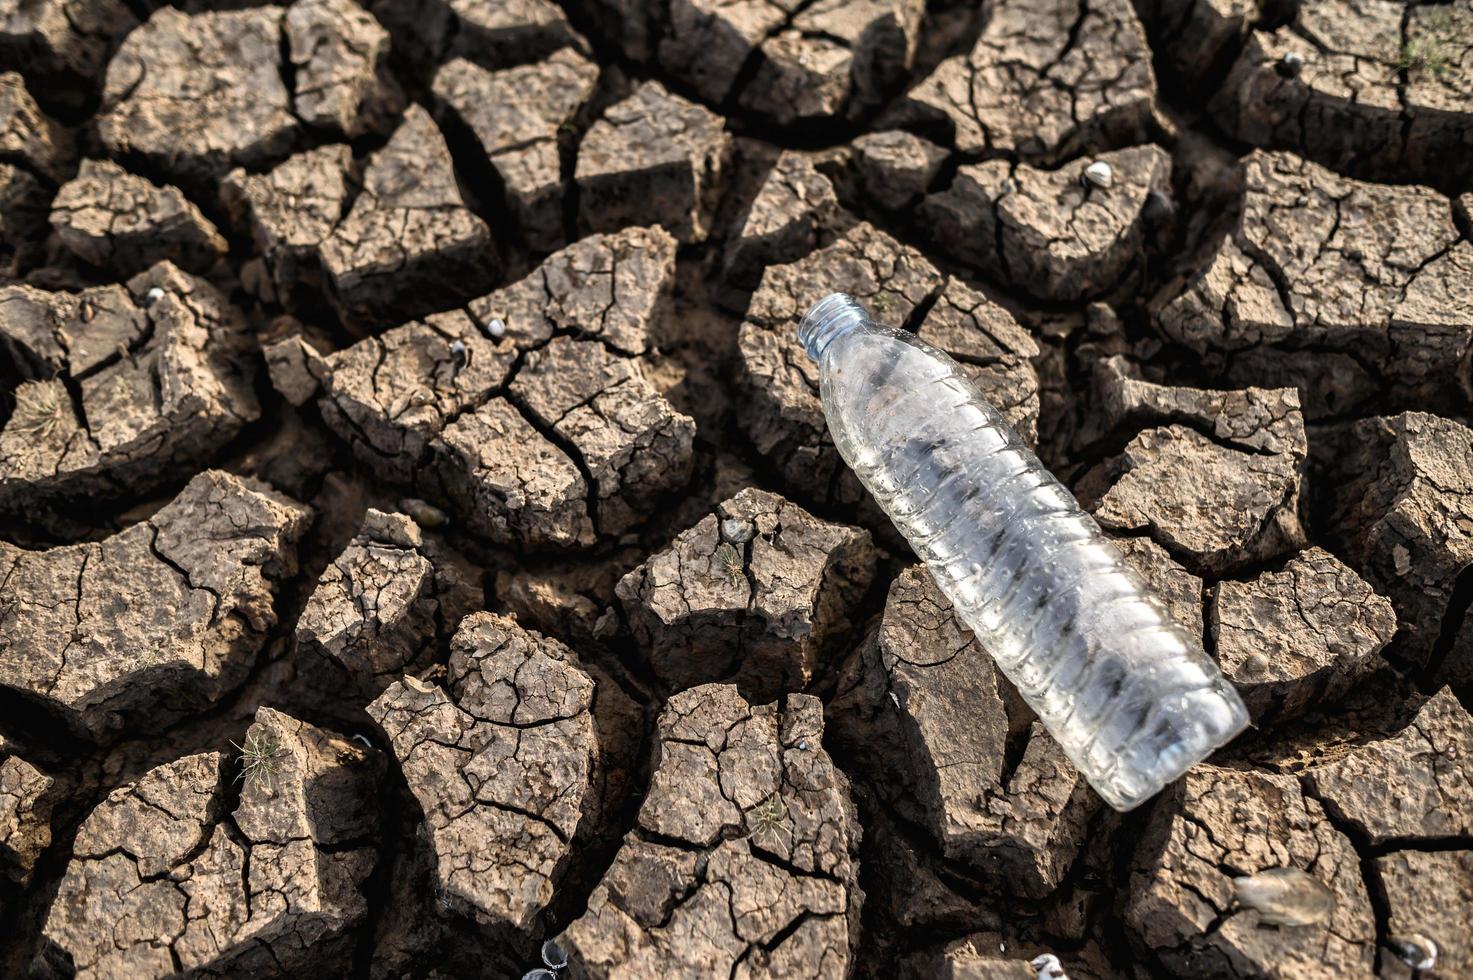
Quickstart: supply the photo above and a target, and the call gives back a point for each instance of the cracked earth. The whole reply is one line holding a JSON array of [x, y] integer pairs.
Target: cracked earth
[[420, 539]]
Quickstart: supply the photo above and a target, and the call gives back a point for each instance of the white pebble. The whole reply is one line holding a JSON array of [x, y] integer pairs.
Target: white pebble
[[496, 328], [1415, 950], [1099, 174], [153, 295], [736, 531], [1048, 967]]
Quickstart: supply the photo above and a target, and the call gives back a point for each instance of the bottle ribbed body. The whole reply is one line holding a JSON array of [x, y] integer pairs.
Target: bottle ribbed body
[[1131, 697]]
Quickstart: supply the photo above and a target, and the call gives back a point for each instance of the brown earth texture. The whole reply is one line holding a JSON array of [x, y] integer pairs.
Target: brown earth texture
[[423, 555]]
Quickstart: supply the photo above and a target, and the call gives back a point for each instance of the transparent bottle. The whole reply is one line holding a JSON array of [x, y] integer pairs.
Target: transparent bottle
[[1131, 697]]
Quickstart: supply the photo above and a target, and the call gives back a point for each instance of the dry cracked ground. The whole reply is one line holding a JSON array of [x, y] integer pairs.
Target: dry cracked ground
[[420, 541]]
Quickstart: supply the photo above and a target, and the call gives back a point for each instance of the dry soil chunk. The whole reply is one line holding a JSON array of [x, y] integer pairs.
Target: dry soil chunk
[[1298, 635], [157, 379], [779, 409], [389, 396], [794, 208], [1216, 480], [895, 167], [1046, 80], [502, 761], [158, 620], [760, 589], [1416, 783], [193, 95], [928, 718], [1194, 36], [835, 56], [1313, 263], [652, 158], [382, 607], [339, 54], [495, 33], [63, 43], [632, 443], [291, 210], [123, 223], [508, 482], [426, 416], [409, 245], [28, 136], [1401, 505], [295, 367], [1050, 232], [1431, 894], [706, 42], [1384, 90], [161, 878], [26, 803], [614, 288], [742, 860], [519, 117], [1218, 824]]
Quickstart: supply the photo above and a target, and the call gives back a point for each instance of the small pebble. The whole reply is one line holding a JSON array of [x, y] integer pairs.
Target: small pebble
[[496, 329], [539, 974], [1401, 559], [803, 745], [363, 740], [1415, 950], [153, 295], [458, 354], [1290, 65], [1100, 175], [1285, 897], [1048, 967], [736, 531]]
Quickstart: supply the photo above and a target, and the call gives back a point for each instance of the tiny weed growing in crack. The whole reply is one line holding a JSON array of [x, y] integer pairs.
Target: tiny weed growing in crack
[[1432, 51], [885, 304], [259, 759], [731, 562], [1427, 54], [769, 820], [37, 411]]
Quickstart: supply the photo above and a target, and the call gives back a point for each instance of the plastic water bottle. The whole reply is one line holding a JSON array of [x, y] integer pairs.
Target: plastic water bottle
[[1131, 697]]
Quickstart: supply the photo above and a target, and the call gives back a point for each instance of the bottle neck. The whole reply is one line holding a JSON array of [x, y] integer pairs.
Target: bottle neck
[[827, 320]]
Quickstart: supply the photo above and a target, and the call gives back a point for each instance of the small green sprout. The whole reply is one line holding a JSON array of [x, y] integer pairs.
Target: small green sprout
[[259, 759], [37, 413], [1427, 54], [1431, 52], [731, 561], [885, 304], [769, 819]]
